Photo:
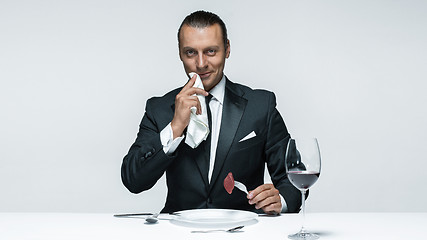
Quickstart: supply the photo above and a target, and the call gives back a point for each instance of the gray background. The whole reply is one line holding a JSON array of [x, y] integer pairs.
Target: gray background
[[75, 76]]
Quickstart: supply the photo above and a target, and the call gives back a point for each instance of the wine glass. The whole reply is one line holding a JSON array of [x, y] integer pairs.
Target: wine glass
[[303, 165]]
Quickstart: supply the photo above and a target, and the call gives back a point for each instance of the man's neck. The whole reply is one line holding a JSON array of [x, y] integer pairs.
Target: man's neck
[[219, 90]]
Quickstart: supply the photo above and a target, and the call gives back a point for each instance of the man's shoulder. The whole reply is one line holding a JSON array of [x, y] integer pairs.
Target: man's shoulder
[[250, 93]]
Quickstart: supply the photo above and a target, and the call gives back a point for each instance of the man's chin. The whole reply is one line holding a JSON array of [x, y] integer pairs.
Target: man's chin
[[205, 85], [206, 80]]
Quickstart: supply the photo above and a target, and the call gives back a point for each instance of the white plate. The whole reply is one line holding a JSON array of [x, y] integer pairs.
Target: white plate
[[213, 218]]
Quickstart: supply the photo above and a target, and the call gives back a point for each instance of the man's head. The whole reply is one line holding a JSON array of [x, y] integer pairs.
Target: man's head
[[203, 46], [202, 19]]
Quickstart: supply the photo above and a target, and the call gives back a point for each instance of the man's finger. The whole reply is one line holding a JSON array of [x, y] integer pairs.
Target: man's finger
[[194, 102], [273, 209], [259, 197], [190, 83], [267, 201], [259, 189], [199, 107], [198, 91]]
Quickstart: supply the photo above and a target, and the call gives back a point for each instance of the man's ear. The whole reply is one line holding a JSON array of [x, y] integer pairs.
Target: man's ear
[[227, 49]]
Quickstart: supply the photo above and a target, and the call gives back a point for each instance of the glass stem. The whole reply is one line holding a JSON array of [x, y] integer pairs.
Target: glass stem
[[303, 210]]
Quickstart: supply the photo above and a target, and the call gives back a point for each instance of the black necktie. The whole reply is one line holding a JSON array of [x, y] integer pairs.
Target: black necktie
[[208, 139]]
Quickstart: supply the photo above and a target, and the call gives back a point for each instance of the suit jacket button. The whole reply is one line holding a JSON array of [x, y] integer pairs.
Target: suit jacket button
[[148, 154]]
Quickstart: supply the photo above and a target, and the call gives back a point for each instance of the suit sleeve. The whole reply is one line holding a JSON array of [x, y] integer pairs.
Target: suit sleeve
[[277, 139], [146, 161]]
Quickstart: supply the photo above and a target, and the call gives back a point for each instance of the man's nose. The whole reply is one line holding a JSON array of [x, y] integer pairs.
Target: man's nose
[[202, 61]]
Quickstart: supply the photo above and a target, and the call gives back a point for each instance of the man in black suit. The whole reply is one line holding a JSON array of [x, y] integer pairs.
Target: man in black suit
[[247, 131]]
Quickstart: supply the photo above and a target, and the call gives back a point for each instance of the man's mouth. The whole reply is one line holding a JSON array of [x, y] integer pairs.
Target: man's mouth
[[205, 75]]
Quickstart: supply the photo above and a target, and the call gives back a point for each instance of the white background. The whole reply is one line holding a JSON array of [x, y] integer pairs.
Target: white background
[[75, 75]]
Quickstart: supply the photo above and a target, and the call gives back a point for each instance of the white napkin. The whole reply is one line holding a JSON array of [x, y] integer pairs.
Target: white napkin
[[198, 128]]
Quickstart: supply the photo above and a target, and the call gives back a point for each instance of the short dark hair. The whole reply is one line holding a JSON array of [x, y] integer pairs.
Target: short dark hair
[[202, 19]]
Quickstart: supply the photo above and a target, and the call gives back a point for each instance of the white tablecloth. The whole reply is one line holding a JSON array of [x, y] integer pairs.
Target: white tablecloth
[[61, 226]]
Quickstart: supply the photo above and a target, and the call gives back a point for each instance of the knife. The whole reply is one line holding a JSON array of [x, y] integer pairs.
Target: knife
[[139, 214], [132, 214]]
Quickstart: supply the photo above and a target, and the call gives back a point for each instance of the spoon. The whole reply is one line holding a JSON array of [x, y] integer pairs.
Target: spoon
[[231, 230], [152, 219]]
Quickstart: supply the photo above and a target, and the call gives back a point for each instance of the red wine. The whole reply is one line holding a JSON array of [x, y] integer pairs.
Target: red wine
[[303, 179]]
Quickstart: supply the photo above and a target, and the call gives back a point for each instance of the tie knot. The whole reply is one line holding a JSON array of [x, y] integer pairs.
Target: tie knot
[[208, 98]]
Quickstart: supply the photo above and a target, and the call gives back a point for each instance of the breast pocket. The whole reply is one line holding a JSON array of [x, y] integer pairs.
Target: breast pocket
[[250, 143]]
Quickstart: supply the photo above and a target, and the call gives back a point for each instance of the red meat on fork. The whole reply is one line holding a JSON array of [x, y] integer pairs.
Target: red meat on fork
[[229, 183]]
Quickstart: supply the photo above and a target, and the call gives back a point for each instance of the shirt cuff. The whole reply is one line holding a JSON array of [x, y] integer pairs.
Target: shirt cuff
[[166, 138], [284, 206]]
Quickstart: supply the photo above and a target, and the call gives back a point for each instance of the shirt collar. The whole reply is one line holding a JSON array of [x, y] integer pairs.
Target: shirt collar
[[218, 91]]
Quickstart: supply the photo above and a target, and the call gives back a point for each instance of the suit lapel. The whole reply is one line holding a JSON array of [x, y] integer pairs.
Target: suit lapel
[[233, 108]]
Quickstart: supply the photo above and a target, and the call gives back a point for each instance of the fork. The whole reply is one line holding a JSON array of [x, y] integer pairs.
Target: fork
[[231, 230], [240, 186]]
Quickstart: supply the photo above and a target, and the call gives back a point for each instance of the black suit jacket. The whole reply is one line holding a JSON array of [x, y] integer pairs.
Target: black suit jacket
[[244, 110]]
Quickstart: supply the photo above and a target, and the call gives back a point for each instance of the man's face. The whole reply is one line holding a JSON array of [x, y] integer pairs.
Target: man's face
[[202, 51]]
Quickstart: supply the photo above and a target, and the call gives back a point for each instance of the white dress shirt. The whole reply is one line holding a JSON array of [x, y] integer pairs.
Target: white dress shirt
[[215, 105]]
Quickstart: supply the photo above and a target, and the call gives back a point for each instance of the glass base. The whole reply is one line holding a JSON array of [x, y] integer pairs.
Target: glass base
[[303, 235]]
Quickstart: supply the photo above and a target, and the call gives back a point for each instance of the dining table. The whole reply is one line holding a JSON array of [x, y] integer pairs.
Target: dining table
[[328, 225]]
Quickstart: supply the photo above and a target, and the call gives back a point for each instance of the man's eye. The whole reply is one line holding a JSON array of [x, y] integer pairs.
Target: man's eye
[[190, 53], [211, 52]]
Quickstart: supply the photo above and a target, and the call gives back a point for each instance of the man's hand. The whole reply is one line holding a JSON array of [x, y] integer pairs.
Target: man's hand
[[267, 198], [184, 101]]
